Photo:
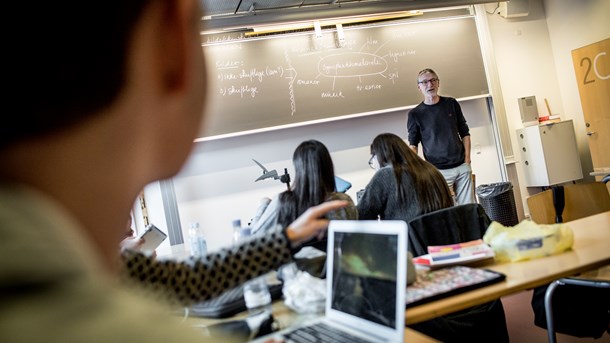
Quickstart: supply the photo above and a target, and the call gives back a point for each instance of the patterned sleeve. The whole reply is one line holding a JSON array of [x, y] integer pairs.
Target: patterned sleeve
[[196, 280]]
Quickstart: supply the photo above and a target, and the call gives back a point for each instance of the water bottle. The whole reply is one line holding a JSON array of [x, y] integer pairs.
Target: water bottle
[[197, 238], [236, 231], [245, 233]]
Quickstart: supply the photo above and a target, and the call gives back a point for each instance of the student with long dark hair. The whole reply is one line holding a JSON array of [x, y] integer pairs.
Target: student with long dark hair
[[314, 183], [404, 185]]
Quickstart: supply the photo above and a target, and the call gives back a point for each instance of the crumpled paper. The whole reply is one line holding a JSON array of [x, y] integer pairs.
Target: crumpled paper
[[304, 293], [528, 240]]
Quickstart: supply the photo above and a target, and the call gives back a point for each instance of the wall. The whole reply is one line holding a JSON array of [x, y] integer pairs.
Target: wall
[[533, 55]]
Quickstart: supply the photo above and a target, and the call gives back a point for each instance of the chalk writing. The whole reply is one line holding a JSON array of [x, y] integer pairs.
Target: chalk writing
[[332, 95], [286, 79], [239, 90]]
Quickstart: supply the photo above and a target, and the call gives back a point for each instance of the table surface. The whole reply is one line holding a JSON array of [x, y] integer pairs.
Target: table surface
[[591, 250], [286, 317]]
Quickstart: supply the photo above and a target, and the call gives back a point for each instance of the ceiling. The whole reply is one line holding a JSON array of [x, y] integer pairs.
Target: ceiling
[[239, 14]]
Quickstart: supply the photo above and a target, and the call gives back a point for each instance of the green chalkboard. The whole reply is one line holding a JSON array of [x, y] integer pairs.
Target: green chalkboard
[[280, 81]]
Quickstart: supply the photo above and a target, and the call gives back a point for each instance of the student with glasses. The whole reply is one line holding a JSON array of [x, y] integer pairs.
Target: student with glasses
[[404, 185], [439, 125]]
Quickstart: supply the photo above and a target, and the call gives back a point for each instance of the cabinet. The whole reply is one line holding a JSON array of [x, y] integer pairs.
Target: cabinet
[[549, 154]]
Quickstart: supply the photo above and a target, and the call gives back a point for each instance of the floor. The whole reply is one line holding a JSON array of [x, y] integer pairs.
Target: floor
[[520, 322]]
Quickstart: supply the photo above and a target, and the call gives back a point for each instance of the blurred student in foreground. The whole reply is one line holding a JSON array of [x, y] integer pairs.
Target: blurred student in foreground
[[108, 98]]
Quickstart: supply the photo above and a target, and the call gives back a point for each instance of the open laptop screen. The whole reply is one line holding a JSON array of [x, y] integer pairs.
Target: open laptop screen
[[364, 276]]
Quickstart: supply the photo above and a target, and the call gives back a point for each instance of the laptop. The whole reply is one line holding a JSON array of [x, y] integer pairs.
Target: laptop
[[365, 281]]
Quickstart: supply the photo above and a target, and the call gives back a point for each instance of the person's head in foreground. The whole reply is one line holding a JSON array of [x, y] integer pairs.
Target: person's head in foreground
[[104, 99]]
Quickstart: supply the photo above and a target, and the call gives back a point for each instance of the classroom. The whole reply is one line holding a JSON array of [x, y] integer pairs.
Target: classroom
[[136, 190], [219, 176]]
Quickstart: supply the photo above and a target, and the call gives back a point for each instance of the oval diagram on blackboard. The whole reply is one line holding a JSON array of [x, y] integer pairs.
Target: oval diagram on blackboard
[[352, 64]]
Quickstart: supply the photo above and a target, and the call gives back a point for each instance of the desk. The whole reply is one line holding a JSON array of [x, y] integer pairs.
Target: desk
[[590, 251], [601, 172], [286, 317]]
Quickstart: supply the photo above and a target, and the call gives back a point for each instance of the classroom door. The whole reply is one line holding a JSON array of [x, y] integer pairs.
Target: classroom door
[[592, 67]]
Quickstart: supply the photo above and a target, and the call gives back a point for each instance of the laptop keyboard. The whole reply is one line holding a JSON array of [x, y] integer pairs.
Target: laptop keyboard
[[321, 332]]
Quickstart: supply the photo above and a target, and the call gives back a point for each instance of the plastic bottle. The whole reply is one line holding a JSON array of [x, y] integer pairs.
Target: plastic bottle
[[245, 233], [197, 239], [236, 231]]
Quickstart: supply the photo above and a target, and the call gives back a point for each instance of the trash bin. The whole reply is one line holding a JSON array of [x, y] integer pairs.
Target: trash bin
[[498, 201]]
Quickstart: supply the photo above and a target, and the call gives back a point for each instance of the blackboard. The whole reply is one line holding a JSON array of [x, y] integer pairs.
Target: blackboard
[[278, 81]]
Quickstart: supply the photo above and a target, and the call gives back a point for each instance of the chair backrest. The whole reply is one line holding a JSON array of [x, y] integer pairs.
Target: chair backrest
[[581, 200], [457, 224]]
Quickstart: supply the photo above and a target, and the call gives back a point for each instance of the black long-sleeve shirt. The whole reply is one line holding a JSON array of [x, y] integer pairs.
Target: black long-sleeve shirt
[[440, 129]]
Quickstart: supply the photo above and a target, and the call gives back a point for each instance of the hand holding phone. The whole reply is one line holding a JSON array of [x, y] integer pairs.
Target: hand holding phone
[[152, 237]]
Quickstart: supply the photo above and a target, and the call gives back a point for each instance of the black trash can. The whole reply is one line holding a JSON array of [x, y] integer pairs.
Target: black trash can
[[498, 201]]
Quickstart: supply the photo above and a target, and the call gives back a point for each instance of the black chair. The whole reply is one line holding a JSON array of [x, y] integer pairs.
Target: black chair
[[576, 306], [578, 318], [458, 224]]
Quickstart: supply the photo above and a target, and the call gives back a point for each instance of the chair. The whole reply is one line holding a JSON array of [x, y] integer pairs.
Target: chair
[[580, 200], [571, 305], [458, 224], [592, 325]]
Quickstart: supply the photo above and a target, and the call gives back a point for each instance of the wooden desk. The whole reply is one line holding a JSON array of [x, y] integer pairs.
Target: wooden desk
[[286, 317], [590, 251]]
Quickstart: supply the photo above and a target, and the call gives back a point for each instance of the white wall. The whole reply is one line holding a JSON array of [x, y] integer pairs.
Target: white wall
[[533, 55]]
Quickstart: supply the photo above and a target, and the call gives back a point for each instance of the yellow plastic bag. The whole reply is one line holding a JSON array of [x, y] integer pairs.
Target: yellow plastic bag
[[528, 240]]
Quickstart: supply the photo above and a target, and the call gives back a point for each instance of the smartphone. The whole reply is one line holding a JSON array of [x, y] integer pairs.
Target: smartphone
[[152, 238]]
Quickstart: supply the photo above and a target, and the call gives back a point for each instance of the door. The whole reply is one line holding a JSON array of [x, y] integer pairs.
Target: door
[[592, 67]]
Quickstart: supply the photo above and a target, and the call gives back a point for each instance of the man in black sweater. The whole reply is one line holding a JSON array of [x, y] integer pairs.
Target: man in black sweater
[[439, 125]]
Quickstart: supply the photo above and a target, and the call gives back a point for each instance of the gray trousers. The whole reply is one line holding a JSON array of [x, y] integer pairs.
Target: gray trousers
[[460, 179]]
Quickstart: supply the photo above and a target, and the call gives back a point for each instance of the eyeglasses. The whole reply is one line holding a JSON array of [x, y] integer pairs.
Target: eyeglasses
[[371, 162], [425, 82]]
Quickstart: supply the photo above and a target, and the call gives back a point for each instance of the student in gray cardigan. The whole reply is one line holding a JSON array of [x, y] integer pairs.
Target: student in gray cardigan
[[404, 185]]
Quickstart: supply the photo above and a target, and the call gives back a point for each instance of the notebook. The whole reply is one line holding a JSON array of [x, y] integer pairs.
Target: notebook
[[365, 280]]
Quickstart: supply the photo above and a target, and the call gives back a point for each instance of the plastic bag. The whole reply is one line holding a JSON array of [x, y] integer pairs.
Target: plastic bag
[[528, 240], [305, 294], [493, 189]]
